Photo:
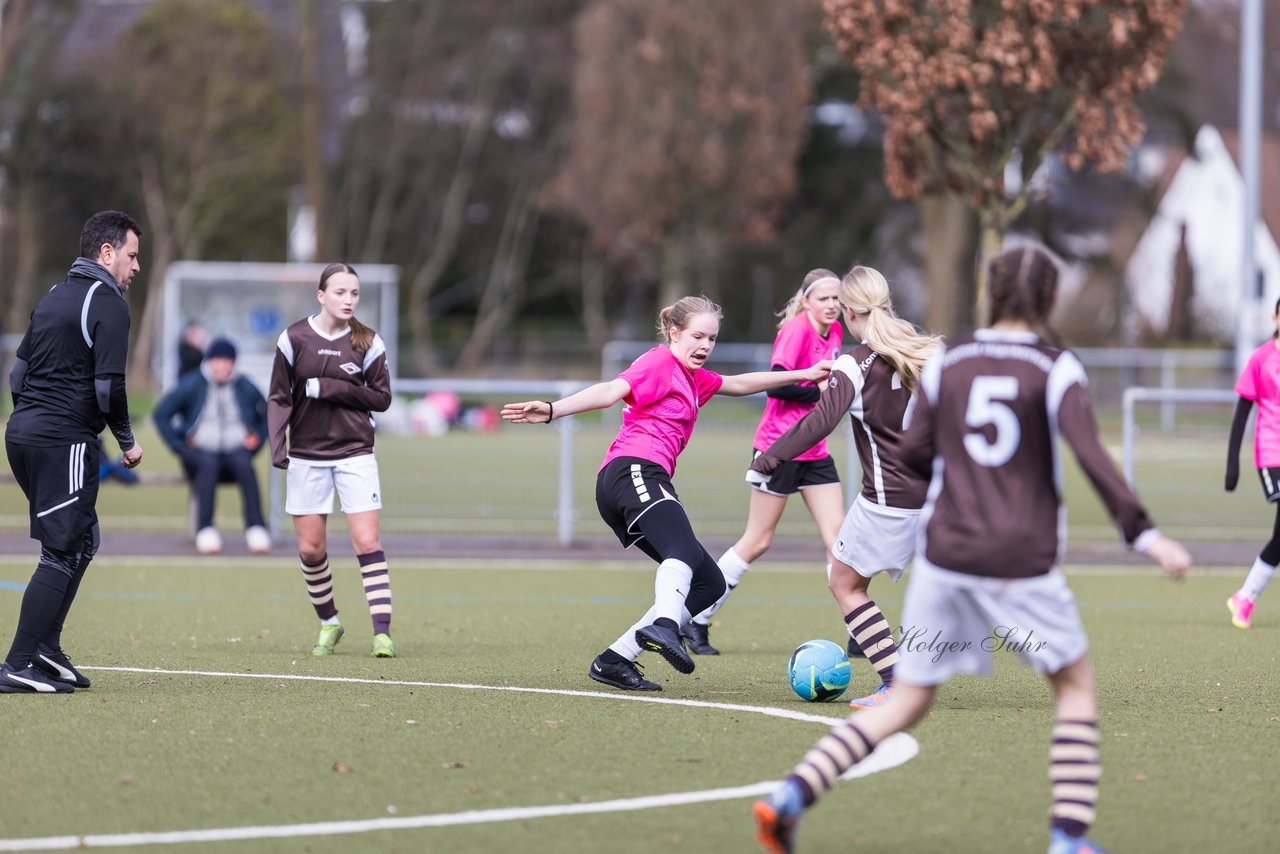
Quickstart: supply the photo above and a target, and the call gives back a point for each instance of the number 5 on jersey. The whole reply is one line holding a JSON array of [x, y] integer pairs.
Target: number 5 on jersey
[[987, 406]]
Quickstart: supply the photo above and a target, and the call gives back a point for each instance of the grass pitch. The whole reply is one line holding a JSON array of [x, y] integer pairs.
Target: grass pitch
[[251, 737]]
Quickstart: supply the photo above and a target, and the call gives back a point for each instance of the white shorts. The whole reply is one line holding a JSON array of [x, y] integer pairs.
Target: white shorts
[[310, 485], [952, 623], [875, 539]]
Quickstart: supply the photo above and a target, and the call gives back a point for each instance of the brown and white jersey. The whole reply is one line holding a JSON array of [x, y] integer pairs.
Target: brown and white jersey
[[334, 422], [987, 424], [880, 406]]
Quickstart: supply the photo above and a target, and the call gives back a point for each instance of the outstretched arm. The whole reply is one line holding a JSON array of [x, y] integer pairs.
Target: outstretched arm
[[599, 396], [739, 385], [1243, 407], [809, 430]]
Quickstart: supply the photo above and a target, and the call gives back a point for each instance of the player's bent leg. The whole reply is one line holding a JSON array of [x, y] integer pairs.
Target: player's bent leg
[[668, 535], [847, 744], [708, 583]]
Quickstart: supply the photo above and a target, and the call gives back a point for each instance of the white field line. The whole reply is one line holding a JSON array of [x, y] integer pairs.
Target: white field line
[[892, 752]]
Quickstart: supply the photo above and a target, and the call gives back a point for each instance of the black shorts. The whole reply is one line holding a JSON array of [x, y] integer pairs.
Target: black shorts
[[626, 489], [61, 485], [794, 475], [1270, 484]]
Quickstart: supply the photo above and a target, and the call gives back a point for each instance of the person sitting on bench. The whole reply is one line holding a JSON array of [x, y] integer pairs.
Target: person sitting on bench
[[215, 420]]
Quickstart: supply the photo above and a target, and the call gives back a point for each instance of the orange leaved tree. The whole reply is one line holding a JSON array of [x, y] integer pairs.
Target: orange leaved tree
[[970, 90]]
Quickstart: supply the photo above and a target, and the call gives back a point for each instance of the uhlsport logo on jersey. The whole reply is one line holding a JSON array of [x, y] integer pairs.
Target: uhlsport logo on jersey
[[350, 367], [325, 351]]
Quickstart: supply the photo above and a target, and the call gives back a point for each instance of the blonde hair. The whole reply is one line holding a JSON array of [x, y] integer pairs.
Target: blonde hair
[[865, 291], [676, 316], [361, 335], [795, 305]]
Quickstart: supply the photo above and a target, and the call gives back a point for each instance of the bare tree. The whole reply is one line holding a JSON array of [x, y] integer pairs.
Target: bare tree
[[971, 89], [196, 114], [447, 152], [28, 36], [688, 119]]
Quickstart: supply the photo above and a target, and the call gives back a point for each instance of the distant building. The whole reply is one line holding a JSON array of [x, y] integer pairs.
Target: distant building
[[1199, 216]]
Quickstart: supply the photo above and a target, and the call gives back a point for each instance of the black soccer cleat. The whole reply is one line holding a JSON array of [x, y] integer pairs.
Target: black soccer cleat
[[29, 680], [853, 650], [666, 642], [55, 664], [696, 634], [626, 676]]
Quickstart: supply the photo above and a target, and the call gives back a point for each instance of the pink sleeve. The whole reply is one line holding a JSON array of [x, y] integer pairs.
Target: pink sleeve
[[1247, 385], [789, 350], [647, 384], [709, 383]]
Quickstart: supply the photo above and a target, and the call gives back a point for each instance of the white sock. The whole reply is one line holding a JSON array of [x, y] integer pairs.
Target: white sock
[[1259, 577], [704, 619], [733, 567], [626, 645], [330, 621], [670, 589]]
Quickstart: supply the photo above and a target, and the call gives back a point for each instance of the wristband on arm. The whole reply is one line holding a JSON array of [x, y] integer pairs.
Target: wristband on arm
[[550, 411]]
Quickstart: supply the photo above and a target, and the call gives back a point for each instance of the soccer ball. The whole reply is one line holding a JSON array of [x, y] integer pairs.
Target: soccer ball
[[818, 670]]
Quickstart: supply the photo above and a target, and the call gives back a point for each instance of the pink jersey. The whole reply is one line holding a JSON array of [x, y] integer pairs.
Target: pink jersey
[[1260, 382], [798, 346], [661, 408]]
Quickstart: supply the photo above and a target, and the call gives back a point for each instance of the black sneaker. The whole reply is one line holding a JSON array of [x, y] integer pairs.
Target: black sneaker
[[55, 664], [853, 650], [696, 635], [626, 676], [29, 680], [666, 642]]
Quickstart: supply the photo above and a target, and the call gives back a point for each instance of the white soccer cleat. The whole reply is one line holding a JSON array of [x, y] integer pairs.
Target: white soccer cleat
[[258, 539], [208, 541]]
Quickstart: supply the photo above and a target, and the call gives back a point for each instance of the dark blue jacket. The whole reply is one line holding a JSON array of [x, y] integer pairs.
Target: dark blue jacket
[[177, 412]]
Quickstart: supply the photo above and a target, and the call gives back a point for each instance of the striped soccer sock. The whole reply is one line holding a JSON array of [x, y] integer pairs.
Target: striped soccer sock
[[320, 587], [1074, 770], [836, 752], [377, 589], [868, 627]]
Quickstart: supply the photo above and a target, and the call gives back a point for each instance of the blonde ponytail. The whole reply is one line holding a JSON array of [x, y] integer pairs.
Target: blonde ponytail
[[865, 291]]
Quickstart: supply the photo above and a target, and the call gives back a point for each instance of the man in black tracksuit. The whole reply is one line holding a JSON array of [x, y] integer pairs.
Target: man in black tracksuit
[[68, 383]]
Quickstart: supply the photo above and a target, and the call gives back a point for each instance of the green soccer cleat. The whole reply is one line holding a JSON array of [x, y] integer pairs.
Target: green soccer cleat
[[329, 637], [383, 647]]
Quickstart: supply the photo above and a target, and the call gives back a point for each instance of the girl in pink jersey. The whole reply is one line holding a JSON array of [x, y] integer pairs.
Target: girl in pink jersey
[[989, 413], [663, 389], [874, 385], [809, 332], [1259, 383]]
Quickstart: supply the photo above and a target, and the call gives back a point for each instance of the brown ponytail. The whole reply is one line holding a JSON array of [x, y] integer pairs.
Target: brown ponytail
[[1023, 286], [361, 335]]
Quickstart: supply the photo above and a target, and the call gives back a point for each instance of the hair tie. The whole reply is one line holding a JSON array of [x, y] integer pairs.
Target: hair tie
[[820, 281]]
